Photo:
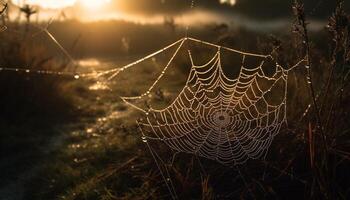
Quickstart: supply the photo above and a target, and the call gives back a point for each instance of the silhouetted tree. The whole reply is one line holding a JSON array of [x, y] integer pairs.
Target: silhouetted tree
[[28, 12]]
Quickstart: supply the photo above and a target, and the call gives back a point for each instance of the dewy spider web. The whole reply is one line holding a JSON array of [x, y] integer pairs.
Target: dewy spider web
[[223, 119], [216, 117]]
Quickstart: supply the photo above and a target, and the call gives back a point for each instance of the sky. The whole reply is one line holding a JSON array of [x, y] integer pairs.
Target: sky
[[142, 11], [155, 10], [58, 4], [55, 4]]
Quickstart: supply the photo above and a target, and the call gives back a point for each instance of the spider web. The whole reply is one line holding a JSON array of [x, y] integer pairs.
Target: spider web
[[228, 120]]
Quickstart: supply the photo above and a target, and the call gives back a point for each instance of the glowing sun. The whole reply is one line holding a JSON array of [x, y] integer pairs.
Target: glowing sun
[[93, 4], [58, 4]]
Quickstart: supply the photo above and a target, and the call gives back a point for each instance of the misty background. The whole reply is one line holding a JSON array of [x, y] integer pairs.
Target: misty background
[[128, 27]]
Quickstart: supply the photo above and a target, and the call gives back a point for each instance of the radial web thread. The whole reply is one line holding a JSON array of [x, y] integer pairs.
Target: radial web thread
[[216, 117]]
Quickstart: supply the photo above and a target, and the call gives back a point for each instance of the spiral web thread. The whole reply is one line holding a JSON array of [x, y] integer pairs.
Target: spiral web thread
[[216, 117], [213, 116]]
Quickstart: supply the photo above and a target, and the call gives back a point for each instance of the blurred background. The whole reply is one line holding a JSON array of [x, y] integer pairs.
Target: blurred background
[[94, 24]]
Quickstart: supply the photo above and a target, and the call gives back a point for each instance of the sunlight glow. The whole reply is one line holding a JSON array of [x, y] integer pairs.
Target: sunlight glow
[[230, 2], [89, 62], [57, 4], [93, 4], [95, 10], [53, 4]]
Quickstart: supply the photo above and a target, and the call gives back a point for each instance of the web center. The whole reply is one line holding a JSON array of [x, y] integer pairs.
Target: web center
[[221, 119]]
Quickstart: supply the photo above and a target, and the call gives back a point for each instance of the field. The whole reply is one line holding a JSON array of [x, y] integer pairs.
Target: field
[[70, 136]]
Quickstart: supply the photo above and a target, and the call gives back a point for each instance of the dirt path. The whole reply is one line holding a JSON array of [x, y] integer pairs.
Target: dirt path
[[83, 145], [15, 186]]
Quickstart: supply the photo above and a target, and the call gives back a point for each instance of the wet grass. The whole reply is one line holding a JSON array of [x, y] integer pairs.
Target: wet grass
[[65, 140], [93, 149], [101, 156]]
